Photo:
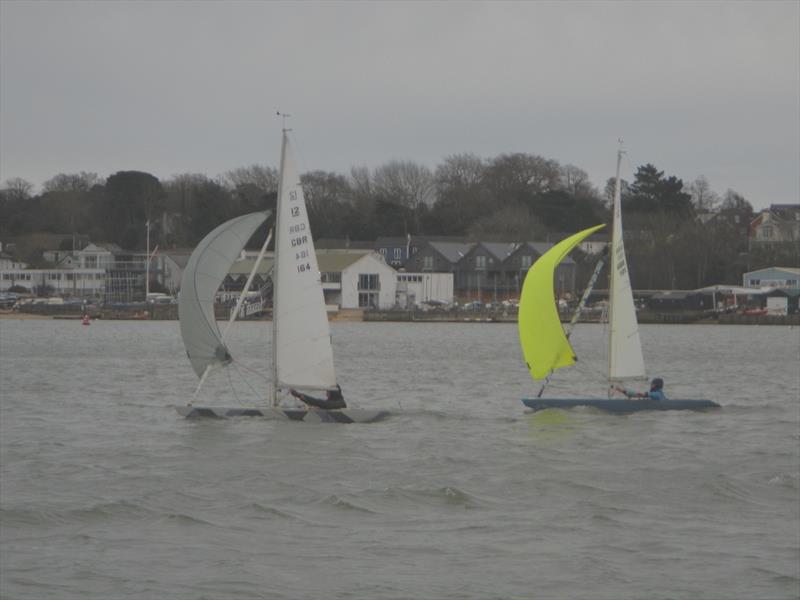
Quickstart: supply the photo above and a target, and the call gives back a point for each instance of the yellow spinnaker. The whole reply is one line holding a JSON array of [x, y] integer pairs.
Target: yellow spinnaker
[[544, 344]]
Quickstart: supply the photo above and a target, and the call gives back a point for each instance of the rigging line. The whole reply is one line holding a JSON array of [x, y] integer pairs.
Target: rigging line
[[232, 387], [298, 150], [254, 371], [247, 383]]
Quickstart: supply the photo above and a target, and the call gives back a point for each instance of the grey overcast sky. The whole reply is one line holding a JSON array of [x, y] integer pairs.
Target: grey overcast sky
[[696, 88]]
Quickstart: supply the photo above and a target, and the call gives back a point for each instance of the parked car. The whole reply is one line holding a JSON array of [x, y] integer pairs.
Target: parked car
[[159, 298]]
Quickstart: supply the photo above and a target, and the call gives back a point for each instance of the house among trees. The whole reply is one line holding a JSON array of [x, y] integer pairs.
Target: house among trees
[[779, 223]]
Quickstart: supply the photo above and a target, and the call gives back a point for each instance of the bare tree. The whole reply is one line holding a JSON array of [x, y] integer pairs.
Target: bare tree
[[703, 197], [180, 192], [405, 183], [575, 181], [361, 182], [17, 188], [509, 223], [72, 182], [459, 173], [328, 197], [515, 176], [263, 177], [732, 200]]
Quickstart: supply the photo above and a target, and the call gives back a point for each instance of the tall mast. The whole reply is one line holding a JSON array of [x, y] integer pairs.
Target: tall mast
[[278, 237], [615, 233]]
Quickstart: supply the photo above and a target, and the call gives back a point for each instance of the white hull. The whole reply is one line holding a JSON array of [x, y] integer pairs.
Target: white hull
[[313, 415]]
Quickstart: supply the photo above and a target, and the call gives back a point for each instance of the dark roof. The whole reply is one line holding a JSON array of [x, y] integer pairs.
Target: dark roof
[[500, 250], [542, 247], [452, 251]]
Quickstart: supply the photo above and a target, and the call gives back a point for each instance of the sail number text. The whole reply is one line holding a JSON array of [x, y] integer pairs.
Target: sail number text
[[299, 239]]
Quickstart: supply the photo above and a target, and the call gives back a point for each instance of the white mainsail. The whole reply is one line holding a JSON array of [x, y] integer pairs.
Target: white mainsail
[[207, 267], [302, 353], [625, 360]]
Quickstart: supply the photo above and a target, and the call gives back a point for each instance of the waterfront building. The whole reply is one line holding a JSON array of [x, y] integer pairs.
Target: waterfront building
[[420, 289], [7, 262], [351, 278], [75, 283], [776, 277]]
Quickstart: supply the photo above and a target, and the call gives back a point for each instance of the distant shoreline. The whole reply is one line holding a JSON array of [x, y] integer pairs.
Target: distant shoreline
[[357, 315]]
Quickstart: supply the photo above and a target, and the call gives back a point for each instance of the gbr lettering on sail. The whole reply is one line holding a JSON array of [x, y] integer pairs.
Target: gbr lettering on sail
[[298, 235]]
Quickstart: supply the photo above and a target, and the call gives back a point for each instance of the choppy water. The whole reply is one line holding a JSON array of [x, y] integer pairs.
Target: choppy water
[[106, 493]]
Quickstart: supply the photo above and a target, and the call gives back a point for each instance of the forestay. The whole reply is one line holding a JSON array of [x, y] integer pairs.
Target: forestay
[[625, 360], [544, 344], [207, 267], [302, 344]]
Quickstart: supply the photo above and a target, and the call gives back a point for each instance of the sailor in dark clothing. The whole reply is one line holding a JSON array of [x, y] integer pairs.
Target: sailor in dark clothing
[[333, 399]]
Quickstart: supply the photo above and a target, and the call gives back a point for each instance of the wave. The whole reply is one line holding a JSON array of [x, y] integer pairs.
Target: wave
[[727, 488], [98, 512], [184, 519], [116, 511], [342, 504], [791, 482], [459, 414], [442, 496], [270, 511]]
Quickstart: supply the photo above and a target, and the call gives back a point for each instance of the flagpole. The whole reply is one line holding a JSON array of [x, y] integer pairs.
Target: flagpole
[[147, 267]]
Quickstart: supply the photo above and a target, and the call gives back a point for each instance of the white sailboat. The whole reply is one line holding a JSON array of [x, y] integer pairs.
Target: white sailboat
[[302, 356], [545, 343]]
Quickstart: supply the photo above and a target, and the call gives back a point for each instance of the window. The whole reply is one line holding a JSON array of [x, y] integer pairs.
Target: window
[[367, 300], [480, 263], [526, 261], [383, 251], [398, 253], [427, 263], [331, 277], [368, 281]]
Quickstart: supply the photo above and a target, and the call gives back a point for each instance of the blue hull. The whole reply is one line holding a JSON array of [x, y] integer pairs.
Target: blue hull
[[619, 406]]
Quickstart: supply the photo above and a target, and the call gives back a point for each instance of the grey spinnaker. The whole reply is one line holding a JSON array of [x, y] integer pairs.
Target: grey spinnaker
[[207, 267]]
